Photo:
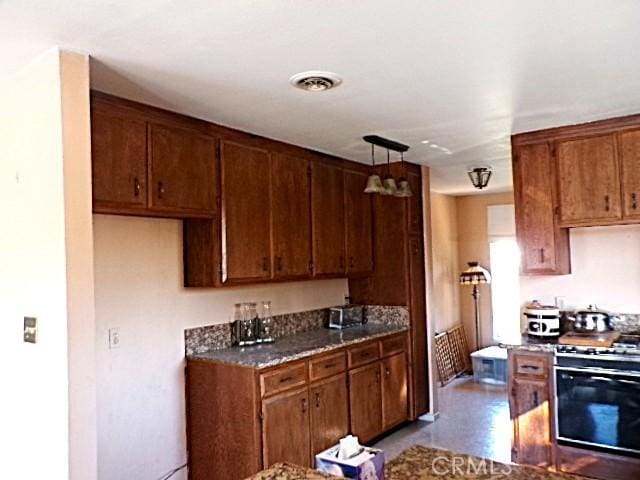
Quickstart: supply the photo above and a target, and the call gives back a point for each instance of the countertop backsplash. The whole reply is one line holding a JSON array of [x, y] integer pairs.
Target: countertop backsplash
[[214, 337]]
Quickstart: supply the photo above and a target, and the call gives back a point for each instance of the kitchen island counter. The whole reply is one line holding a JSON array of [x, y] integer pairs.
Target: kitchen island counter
[[423, 463]]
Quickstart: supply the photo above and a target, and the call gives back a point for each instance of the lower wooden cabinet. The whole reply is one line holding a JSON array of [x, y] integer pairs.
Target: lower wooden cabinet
[[329, 407], [365, 401], [285, 428], [394, 390], [241, 420], [530, 403]]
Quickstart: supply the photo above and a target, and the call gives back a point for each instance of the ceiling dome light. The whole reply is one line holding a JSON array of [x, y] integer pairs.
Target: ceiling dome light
[[315, 81]]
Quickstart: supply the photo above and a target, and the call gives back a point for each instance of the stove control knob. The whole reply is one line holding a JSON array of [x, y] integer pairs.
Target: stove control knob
[[591, 351]]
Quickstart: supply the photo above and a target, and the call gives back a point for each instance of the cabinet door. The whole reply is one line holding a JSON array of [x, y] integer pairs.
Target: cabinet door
[[629, 144], [544, 246], [182, 171], [119, 160], [588, 180], [290, 217], [358, 218], [366, 401], [530, 416], [285, 429], [415, 202], [246, 246], [418, 312], [329, 412], [394, 390], [327, 213]]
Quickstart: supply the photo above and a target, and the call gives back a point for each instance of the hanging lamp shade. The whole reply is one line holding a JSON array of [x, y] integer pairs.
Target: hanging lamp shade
[[404, 189], [374, 183], [480, 176], [475, 275], [390, 187]]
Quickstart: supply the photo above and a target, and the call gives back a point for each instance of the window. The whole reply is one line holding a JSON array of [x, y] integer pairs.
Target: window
[[505, 273], [505, 289]]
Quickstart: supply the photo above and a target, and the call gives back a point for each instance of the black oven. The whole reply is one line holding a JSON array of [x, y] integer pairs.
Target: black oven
[[598, 403]]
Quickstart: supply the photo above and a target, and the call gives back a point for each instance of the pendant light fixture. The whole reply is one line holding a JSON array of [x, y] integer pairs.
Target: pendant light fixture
[[374, 184], [390, 187], [480, 176], [404, 189]]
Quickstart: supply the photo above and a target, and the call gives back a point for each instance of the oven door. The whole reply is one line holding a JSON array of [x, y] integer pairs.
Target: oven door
[[598, 409]]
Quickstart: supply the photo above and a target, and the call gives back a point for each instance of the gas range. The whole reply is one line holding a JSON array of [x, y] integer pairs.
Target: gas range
[[627, 347]]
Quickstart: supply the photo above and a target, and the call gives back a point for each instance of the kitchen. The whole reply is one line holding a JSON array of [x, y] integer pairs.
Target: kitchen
[[174, 196]]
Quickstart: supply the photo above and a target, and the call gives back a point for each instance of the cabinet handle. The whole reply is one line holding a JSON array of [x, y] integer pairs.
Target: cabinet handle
[[634, 201], [607, 205], [286, 379], [317, 400], [304, 405], [330, 365], [542, 255], [265, 264], [279, 264], [160, 190], [536, 400], [378, 376], [530, 367], [136, 187]]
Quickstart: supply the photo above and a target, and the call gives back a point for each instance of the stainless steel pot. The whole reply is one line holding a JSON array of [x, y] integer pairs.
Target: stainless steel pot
[[591, 320]]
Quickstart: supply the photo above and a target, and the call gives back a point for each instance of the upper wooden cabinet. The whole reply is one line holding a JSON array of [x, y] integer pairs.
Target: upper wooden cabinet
[[415, 202], [119, 154], [629, 150], [327, 219], [358, 222], [150, 163], [182, 170], [589, 182], [544, 247], [245, 213], [290, 217]]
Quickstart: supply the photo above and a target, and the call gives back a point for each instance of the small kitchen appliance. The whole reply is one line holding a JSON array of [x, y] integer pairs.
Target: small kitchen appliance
[[542, 320], [346, 316], [592, 320]]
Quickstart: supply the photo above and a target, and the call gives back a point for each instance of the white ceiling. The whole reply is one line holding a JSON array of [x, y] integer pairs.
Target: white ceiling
[[464, 74]]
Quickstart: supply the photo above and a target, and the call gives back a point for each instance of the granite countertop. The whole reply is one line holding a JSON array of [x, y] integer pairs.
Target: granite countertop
[[532, 344], [297, 346], [423, 463]]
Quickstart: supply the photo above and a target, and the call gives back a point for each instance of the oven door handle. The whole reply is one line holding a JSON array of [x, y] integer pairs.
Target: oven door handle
[[598, 371]]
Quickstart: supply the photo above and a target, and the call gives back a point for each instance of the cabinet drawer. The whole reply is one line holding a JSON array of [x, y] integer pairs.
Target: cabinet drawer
[[327, 366], [282, 379], [363, 354], [531, 366], [391, 345]]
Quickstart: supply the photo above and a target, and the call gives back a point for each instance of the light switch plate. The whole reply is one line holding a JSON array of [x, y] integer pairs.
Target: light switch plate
[[114, 337], [30, 334]]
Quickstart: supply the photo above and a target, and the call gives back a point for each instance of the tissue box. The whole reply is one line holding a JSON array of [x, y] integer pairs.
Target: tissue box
[[368, 465]]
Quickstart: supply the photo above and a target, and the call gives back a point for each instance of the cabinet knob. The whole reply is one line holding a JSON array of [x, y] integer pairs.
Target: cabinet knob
[[634, 201], [160, 190], [317, 400], [607, 203], [136, 187], [387, 372]]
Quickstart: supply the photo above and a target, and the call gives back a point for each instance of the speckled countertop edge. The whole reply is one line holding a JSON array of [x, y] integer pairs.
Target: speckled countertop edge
[[298, 346]]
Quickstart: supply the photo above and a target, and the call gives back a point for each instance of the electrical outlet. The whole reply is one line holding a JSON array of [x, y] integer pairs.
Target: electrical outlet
[[114, 338], [30, 329]]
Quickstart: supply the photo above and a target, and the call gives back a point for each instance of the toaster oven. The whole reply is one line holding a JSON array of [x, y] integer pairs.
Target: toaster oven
[[346, 316]]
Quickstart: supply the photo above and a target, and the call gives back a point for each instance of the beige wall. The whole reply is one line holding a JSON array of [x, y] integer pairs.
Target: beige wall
[[39, 108], [605, 271], [445, 308], [473, 245], [138, 288]]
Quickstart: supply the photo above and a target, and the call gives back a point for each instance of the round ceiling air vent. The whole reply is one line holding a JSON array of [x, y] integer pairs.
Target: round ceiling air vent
[[315, 81]]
